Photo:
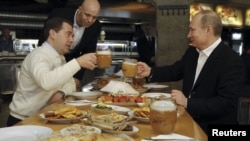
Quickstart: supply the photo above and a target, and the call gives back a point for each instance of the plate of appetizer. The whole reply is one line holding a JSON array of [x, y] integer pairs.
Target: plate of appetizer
[[157, 95], [77, 129], [140, 114], [153, 86], [121, 100], [112, 123], [68, 114], [106, 108]]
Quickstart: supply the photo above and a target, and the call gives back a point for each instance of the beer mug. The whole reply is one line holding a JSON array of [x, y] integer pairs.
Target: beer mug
[[163, 116], [129, 67], [104, 56]]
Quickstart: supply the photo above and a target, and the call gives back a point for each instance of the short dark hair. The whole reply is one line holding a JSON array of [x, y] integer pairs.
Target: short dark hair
[[210, 17], [54, 23]]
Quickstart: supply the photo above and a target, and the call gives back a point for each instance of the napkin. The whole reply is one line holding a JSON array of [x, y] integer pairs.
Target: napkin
[[119, 73], [172, 136], [119, 86]]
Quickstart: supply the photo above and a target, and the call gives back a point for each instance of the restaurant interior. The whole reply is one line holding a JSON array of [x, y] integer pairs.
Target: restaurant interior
[[122, 22]]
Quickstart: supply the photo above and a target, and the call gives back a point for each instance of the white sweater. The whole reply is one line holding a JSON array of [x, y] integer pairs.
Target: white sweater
[[43, 72]]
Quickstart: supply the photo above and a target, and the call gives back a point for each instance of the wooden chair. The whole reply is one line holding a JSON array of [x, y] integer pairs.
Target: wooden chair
[[244, 110]]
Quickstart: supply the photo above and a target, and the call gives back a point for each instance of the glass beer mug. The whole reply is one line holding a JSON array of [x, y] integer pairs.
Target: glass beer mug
[[129, 67], [163, 116], [104, 56]]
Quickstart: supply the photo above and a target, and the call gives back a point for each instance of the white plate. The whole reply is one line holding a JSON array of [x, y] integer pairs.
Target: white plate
[[87, 95], [117, 109], [157, 95], [155, 86], [25, 133], [135, 130], [60, 121], [80, 129], [140, 119], [79, 102]]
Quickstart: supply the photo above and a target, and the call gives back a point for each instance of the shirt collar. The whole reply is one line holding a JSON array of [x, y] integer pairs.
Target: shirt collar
[[50, 47], [210, 49], [75, 24]]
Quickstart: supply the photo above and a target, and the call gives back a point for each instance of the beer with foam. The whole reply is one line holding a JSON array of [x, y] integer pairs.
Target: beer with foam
[[163, 116], [104, 58], [129, 67]]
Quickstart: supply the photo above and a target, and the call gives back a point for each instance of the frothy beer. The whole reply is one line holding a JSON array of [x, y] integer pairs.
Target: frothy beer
[[129, 69], [163, 116], [104, 59]]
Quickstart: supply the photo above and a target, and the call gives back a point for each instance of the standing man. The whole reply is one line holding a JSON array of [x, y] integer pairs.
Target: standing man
[[246, 58], [45, 77], [146, 46], [212, 74], [86, 30], [6, 42]]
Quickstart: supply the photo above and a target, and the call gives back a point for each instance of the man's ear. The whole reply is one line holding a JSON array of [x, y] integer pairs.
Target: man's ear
[[52, 33]]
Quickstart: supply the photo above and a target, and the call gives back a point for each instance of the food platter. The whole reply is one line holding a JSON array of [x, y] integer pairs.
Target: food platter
[[134, 131], [87, 95], [113, 108], [153, 86], [77, 129], [61, 120], [79, 103], [25, 133], [157, 95], [125, 104], [140, 119]]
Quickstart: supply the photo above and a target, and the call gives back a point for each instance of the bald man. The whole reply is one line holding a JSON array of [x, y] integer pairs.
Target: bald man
[[86, 29]]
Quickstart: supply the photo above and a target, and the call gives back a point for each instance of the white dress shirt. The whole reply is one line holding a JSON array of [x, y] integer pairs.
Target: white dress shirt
[[78, 32], [43, 72], [203, 55]]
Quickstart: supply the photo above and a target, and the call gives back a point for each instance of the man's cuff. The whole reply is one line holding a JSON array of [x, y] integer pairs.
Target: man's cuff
[[148, 79]]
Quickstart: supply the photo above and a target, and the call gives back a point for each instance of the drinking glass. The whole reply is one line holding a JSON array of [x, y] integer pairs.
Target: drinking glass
[[104, 56], [129, 68], [163, 116]]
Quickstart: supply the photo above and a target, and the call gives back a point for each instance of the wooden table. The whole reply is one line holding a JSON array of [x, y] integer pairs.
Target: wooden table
[[185, 125]]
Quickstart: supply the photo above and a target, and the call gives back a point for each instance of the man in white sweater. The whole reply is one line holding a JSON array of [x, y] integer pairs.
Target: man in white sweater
[[45, 77]]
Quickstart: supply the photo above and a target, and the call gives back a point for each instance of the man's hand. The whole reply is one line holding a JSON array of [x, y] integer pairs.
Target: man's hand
[[143, 70], [179, 98], [78, 84], [87, 61], [58, 97]]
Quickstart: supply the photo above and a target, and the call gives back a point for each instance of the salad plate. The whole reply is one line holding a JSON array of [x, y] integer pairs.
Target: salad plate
[[104, 108], [77, 129]]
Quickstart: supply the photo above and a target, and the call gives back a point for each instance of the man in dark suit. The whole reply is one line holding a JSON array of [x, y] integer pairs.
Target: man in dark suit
[[146, 46], [86, 30], [212, 74], [246, 58]]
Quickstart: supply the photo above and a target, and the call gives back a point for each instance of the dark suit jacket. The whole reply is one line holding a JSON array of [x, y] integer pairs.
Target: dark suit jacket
[[246, 88], [146, 50], [89, 39], [215, 93]]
